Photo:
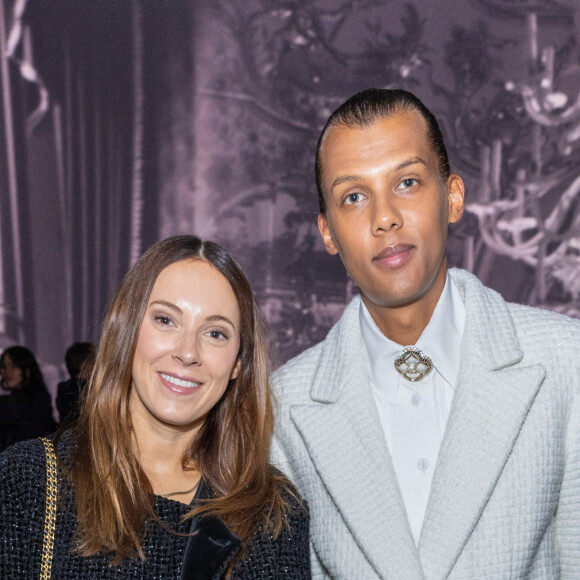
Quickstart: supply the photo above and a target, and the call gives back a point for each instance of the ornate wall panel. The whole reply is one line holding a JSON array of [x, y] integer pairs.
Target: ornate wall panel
[[125, 122]]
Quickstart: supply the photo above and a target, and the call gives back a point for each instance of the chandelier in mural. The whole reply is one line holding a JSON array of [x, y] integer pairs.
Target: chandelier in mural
[[528, 205]]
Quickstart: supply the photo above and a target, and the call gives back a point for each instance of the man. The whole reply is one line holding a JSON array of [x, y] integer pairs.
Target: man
[[435, 432]]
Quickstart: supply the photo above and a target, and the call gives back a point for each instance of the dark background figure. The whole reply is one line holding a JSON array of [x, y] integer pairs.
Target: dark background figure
[[26, 412], [79, 359]]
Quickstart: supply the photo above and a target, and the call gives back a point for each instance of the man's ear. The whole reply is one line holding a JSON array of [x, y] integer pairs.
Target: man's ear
[[456, 197], [326, 235]]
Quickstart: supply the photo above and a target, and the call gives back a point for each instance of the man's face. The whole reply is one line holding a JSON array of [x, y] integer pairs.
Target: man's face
[[388, 209]]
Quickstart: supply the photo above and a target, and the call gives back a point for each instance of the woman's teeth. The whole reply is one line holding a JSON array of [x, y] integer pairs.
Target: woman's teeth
[[179, 382]]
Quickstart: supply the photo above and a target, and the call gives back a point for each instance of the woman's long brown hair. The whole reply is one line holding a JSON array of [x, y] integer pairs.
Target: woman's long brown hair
[[114, 497]]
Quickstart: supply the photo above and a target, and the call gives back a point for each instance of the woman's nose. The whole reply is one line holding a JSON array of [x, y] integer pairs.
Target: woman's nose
[[186, 350]]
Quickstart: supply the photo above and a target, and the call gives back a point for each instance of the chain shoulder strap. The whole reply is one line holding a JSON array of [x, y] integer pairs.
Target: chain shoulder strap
[[50, 509]]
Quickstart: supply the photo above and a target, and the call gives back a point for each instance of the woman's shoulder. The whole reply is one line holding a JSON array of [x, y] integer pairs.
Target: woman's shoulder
[[25, 454], [66, 446], [289, 493], [22, 473], [25, 461], [283, 553]]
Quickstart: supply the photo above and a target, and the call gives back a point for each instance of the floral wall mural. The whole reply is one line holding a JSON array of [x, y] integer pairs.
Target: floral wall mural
[[503, 78], [203, 116]]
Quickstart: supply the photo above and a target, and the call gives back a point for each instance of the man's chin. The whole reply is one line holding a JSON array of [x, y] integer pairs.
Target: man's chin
[[400, 297]]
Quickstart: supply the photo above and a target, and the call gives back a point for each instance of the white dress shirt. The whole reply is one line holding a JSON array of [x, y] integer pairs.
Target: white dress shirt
[[414, 415]]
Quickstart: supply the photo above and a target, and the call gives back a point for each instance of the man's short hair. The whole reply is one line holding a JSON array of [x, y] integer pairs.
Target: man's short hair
[[370, 105], [78, 354]]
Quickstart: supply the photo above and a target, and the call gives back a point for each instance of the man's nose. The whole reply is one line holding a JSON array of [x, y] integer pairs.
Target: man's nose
[[386, 213]]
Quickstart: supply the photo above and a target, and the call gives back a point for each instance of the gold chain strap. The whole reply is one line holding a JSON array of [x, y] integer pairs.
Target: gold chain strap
[[50, 510]]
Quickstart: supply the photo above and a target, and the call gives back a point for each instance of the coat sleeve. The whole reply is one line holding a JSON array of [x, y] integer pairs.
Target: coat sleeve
[[279, 459], [568, 511], [284, 430]]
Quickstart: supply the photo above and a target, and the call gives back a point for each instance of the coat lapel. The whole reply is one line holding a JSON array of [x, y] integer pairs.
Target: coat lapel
[[344, 437], [492, 399]]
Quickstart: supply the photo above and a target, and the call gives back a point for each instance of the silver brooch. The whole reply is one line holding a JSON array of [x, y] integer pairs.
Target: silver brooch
[[413, 364]]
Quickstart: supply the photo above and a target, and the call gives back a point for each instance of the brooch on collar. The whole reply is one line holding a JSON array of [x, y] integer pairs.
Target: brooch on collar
[[413, 364]]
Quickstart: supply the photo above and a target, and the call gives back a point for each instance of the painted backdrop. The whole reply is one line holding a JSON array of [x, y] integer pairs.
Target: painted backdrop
[[125, 122]]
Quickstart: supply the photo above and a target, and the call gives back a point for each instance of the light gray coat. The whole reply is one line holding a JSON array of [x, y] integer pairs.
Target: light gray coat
[[505, 498]]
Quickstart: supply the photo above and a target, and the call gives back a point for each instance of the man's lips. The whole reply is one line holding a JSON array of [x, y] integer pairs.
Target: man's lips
[[395, 255]]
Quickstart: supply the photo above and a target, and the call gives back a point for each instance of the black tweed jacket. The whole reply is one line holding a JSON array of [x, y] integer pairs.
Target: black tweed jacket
[[168, 556]]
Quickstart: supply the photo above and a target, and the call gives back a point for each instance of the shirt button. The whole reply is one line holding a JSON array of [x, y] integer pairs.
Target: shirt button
[[416, 399], [423, 464]]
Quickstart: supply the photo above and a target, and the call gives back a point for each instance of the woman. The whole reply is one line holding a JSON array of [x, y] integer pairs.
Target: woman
[[165, 474], [26, 412]]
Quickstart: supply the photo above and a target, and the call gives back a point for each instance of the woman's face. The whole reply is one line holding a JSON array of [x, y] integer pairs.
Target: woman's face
[[11, 374], [187, 347]]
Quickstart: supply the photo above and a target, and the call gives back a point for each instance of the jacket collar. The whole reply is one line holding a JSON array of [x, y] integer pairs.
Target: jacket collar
[[345, 347], [490, 330], [490, 333]]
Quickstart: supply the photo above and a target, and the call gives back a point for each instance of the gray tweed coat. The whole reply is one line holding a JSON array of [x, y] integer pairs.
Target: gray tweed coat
[[505, 499]]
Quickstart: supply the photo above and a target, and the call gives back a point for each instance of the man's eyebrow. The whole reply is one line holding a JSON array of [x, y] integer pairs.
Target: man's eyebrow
[[343, 179], [402, 165], [409, 162]]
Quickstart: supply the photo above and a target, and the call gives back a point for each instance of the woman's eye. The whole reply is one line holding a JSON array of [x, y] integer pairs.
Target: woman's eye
[[352, 198], [217, 334], [407, 183], [163, 320]]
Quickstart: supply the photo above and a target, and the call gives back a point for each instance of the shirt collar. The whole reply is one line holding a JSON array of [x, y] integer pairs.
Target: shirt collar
[[441, 339]]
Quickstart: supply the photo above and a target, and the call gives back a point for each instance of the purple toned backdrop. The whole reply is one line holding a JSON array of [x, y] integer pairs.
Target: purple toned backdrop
[[125, 122]]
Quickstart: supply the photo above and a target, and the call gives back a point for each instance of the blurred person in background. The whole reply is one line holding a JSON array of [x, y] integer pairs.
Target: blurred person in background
[[79, 358], [26, 412]]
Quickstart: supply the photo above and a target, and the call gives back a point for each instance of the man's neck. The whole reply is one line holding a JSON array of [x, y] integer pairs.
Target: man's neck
[[404, 324]]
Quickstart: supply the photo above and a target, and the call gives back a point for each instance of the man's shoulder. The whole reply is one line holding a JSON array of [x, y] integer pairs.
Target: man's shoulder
[[295, 377], [543, 317], [535, 327], [539, 320], [545, 330]]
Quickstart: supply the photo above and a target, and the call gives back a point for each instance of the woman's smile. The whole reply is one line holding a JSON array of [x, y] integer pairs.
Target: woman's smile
[[179, 385]]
